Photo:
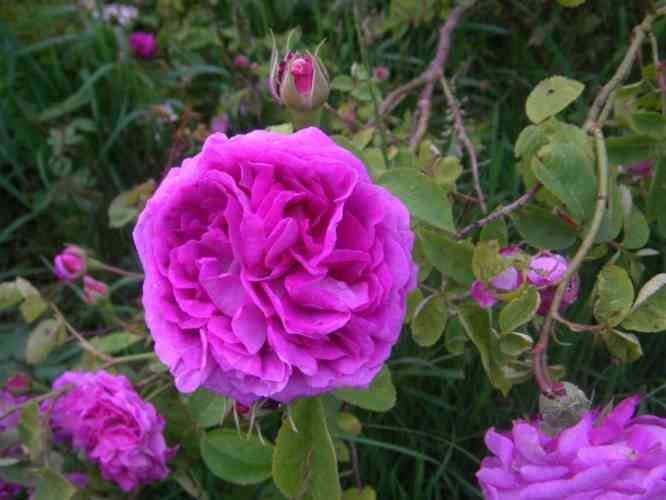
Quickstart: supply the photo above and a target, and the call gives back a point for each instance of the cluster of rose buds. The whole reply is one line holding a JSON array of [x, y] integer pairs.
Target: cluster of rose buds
[[544, 272], [298, 81], [70, 265], [143, 44], [643, 170]]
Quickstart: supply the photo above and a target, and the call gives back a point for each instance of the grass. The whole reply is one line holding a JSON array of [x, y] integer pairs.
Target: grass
[[430, 445]]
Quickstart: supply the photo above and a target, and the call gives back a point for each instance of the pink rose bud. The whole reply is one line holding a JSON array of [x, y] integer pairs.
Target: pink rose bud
[[93, 290], [299, 81], [381, 73], [241, 62], [639, 171], [143, 44], [546, 269], [70, 264], [19, 383], [506, 282], [570, 296]]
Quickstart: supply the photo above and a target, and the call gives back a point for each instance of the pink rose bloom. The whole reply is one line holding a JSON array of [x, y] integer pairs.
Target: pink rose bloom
[[70, 264], [507, 281], [143, 44], [104, 417], [616, 457], [274, 268], [93, 290]]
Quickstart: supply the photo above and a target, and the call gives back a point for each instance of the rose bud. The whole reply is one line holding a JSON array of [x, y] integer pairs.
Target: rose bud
[[70, 264], [241, 62], [299, 81], [546, 269], [640, 170], [93, 290], [143, 44], [507, 281], [570, 296], [19, 383], [380, 73]]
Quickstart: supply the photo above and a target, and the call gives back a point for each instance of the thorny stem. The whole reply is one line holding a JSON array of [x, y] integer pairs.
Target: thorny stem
[[500, 212], [623, 70], [37, 399], [459, 125], [84, 343], [539, 353], [579, 327], [130, 359], [433, 73], [373, 94], [118, 271]]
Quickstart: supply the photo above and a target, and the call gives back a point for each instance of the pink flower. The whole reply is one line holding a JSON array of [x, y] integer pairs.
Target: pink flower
[[19, 383], [611, 457], [9, 436], [70, 264], [546, 270], [274, 268], [570, 296], [380, 73], [143, 44], [507, 281], [640, 170], [93, 290], [104, 417], [241, 62]]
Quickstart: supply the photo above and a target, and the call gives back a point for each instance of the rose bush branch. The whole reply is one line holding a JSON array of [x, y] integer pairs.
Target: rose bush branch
[[36, 399], [87, 346], [500, 212], [459, 125], [539, 353]]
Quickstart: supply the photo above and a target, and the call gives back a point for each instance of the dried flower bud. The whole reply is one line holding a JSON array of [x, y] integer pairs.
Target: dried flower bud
[[563, 410], [299, 81]]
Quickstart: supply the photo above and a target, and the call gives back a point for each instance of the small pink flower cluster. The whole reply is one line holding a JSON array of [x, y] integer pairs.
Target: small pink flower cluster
[[70, 265], [104, 417], [545, 272]]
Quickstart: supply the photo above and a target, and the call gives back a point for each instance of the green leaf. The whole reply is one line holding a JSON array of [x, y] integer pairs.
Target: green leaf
[[424, 199], [541, 229], [10, 295], [520, 310], [42, 340], [630, 149], [611, 224], [531, 139], [495, 230], [623, 346], [487, 263], [342, 83], [551, 96], [375, 162], [451, 258], [429, 321], [649, 311], [447, 170], [656, 205], [30, 430], [476, 324], [514, 344], [636, 230], [615, 295], [282, 128], [363, 137], [207, 408], [380, 396], [235, 458], [304, 462], [565, 171], [52, 486], [366, 493], [349, 423], [571, 3], [649, 123], [454, 339], [115, 342]]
